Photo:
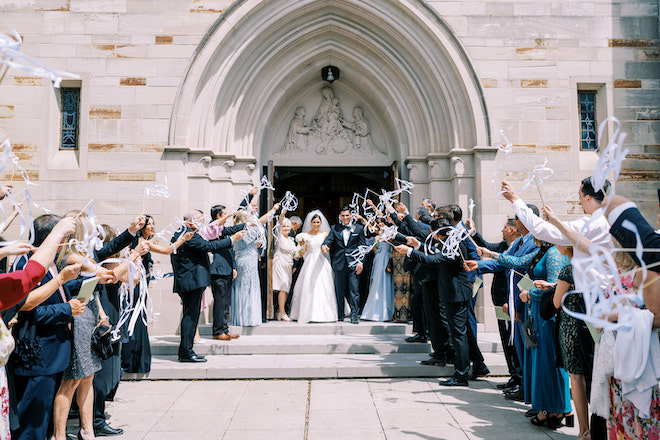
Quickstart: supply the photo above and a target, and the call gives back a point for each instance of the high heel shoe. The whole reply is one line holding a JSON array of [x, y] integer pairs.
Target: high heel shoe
[[283, 317], [554, 422], [586, 435], [537, 421], [569, 420]]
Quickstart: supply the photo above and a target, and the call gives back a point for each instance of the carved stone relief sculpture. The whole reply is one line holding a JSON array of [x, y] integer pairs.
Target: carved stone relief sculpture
[[329, 133]]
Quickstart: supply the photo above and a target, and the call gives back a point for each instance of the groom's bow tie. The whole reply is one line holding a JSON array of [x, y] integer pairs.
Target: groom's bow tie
[[345, 226]]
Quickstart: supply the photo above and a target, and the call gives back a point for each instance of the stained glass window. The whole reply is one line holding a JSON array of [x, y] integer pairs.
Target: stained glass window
[[588, 126], [70, 118]]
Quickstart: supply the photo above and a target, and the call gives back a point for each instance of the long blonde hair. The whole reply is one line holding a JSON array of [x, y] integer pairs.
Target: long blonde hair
[[78, 234]]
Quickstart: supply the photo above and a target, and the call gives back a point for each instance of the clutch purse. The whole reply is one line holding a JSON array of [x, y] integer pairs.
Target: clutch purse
[[102, 342], [529, 335]]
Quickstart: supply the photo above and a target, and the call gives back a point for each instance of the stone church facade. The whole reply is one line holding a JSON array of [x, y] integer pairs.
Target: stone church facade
[[205, 94]]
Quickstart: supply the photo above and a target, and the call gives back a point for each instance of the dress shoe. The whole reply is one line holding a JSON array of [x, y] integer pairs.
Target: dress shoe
[[355, 320], [418, 338], [479, 371], [222, 337], [518, 395], [283, 317], [234, 335], [435, 362], [454, 382], [107, 430], [194, 358], [510, 384]]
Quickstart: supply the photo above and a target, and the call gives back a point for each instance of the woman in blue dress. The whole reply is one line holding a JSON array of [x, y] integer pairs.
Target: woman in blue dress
[[246, 289], [547, 385], [380, 301]]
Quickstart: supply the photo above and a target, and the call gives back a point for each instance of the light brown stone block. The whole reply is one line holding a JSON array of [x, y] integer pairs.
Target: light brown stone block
[[6, 111], [133, 81], [23, 155], [27, 81], [164, 39], [97, 176], [104, 147], [144, 148], [22, 146], [141, 177], [105, 112], [534, 83], [557, 113], [489, 82], [627, 84], [639, 176]]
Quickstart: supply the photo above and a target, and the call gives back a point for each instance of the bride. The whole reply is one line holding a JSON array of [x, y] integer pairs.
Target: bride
[[314, 298]]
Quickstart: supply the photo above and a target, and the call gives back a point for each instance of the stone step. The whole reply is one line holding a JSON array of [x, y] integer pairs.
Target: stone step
[[305, 366], [308, 344], [320, 328]]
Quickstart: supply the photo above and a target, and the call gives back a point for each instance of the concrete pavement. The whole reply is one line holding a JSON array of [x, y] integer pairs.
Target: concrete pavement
[[365, 409]]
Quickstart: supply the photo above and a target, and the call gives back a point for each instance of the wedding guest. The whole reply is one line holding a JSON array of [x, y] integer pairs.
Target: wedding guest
[[136, 351], [455, 292], [285, 252], [223, 273], [191, 276], [547, 385], [246, 289], [79, 375], [499, 296], [380, 302], [296, 228], [593, 227], [35, 379], [521, 246]]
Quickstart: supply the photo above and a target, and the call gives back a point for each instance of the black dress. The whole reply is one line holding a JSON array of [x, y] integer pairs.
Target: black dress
[[136, 352]]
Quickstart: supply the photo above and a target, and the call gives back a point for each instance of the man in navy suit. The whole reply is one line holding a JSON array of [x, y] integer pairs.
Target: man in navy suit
[[344, 238], [192, 275], [223, 272]]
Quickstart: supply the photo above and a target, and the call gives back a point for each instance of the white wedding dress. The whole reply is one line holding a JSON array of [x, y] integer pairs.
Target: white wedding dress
[[314, 298]]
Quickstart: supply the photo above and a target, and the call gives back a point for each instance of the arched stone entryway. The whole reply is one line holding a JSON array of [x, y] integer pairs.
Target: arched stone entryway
[[262, 60]]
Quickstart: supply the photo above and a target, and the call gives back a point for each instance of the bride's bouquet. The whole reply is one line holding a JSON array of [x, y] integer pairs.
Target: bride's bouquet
[[302, 239]]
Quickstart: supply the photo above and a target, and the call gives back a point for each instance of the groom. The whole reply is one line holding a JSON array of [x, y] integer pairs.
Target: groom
[[343, 239]]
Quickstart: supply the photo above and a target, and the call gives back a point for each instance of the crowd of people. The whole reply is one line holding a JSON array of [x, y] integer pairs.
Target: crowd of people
[[318, 275]]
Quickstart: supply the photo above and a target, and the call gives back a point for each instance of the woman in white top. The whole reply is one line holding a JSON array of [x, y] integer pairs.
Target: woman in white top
[[314, 298], [285, 252]]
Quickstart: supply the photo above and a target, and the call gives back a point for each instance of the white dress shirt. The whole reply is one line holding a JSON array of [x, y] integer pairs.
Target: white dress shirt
[[598, 231]]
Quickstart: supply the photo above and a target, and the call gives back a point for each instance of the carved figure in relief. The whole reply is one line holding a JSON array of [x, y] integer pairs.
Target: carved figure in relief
[[296, 140], [361, 132], [328, 132]]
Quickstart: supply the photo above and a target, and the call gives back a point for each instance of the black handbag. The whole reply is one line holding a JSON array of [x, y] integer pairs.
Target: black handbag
[[529, 335], [27, 352], [102, 342]]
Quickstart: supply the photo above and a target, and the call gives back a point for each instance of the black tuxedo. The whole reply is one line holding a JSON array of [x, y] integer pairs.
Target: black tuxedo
[[222, 268], [455, 291], [191, 276], [345, 277]]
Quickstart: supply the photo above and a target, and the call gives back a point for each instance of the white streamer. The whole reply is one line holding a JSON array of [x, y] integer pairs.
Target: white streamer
[[506, 149], [611, 158], [12, 57], [265, 184], [472, 229], [289, 202]]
